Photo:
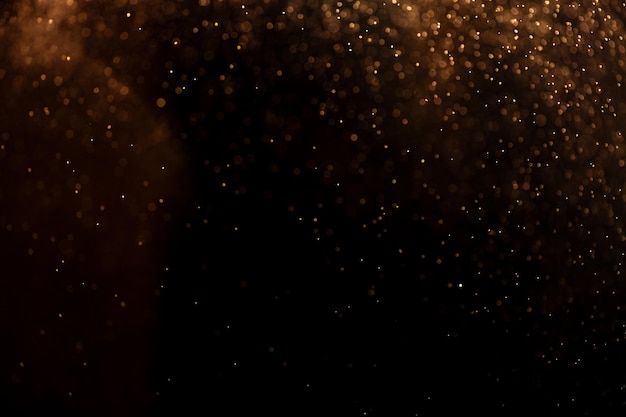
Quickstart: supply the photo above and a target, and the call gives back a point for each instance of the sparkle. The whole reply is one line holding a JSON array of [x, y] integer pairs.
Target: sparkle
[[371, 188]]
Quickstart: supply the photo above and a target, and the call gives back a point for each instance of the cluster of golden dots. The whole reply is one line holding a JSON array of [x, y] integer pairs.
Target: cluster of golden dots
[[87, 170], [458, 158], [494, 125]]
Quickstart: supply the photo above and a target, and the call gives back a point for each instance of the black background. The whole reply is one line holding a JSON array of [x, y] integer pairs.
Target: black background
[[345, 229]]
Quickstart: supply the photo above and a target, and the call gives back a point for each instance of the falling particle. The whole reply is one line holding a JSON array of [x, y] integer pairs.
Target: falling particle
[[160, 102], [541, 120]]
